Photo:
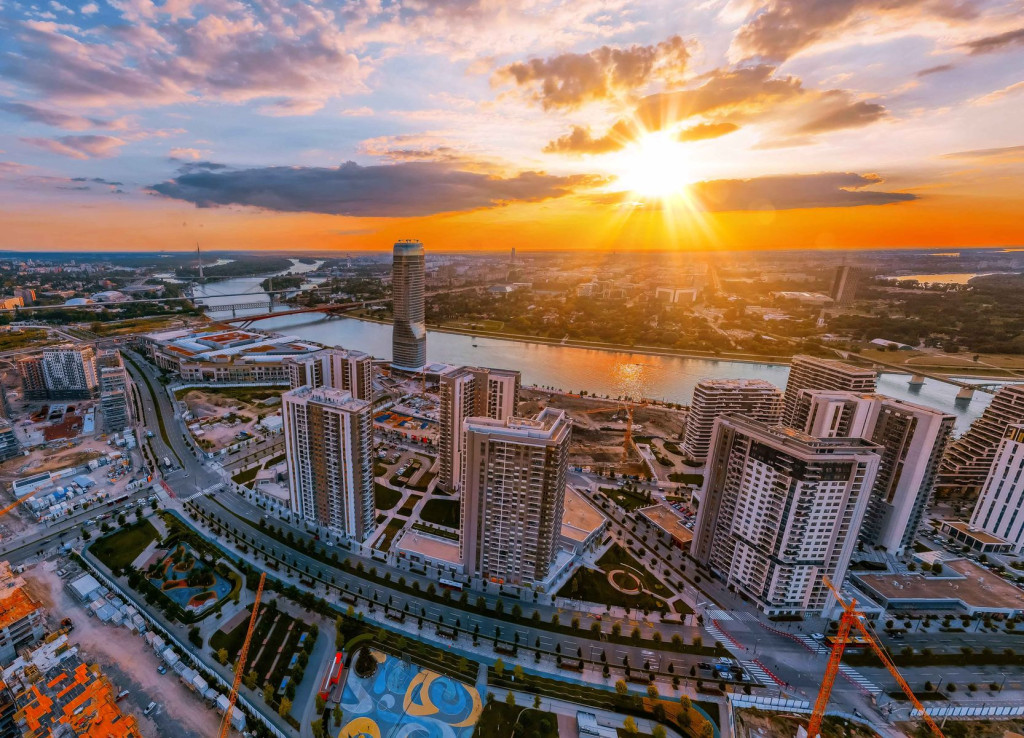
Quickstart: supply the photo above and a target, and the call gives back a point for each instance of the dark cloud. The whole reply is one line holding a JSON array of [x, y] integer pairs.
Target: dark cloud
[[186, 166], [936, 70], [853, 115], [570, 80], [778, 29], [704, 131], [397, 190], [98, 180], [54, 118], [795, 191], [989, 44], [1014, 153]]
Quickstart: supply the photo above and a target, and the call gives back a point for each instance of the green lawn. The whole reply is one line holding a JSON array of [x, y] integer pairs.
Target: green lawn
[[593, 586], [627, 500], [686, 478], [385, 541], [617, 557], [385, 498], [498, 720], [244, 477], [441, 512], [409, 504], [242, 394], [121, 548], [231, 642], [274, 461]]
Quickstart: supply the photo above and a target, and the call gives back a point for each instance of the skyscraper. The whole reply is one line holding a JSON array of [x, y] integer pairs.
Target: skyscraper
[[780, 509], [328, 445], [33, 380], [753, 398], [513, 496], [113, 391], [1000, 508], [70, 372], [810, 372], [471, 392], [409, 332], [844, 285], [912, 439], [969, 458], [335, 367]]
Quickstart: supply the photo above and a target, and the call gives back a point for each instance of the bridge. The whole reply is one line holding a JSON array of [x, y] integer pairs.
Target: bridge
[[245, 320], [967, 389], [198, 301]]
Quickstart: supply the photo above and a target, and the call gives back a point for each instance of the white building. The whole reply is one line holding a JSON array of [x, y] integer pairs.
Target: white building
[[466, 392], [1000, 508], [913, 439], [969, 460], [754, 398], [334, 367], [513, 496], [781, 509], [328, 446], [811, 372], [70, 372]]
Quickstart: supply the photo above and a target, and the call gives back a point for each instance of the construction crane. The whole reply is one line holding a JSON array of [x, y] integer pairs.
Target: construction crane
[[240, 666], [851, 619], [627, 443]]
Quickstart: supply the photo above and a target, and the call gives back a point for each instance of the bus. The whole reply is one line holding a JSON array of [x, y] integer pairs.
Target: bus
[[333, 676], [450, 584]]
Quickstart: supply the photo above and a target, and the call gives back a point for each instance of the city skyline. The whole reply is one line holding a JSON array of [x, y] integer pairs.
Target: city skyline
[[575, 125]]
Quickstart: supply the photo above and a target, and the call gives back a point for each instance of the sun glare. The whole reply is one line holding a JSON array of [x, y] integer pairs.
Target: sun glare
[[656, 166]]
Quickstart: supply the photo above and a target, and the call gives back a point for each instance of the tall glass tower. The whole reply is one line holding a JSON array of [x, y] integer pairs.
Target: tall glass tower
[[409, 334]]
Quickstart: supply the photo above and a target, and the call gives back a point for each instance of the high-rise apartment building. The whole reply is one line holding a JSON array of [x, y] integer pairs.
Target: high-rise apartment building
[[811, 372], [912, 439], [22, 617], [113, 391], [33, 380], [10, 446], [844, 285], [337, 368], [1000, 508], [470, 392], [409, 331], [780, 509], [328, 439], [513, 496], [70, 372], [754, 398], [969, 458]]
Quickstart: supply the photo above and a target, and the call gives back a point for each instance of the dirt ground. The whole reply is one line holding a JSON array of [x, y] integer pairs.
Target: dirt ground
[[209, 404], [752, 723], [129, 663]]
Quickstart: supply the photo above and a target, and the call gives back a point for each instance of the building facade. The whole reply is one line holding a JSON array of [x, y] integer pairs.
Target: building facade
[[811, 372], [844, 285], [969, 459], [409, 331], [328, 446], [754, 398], [513, 496], [114, 390], [470, 392], [345, 370], [70, 372], [998, 511], [10, 446], [912, 439], [22, 618], [781, 509], [33, 380]]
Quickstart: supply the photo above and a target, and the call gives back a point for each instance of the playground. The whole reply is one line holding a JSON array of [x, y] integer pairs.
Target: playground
[[187, 581], [405, 422], [400, 698]]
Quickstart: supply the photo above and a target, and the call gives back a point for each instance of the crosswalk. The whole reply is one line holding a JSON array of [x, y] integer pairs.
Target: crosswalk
[[725, 615], [813, 645], [716, 632], [208, 491], [859, 680], [757, 673]]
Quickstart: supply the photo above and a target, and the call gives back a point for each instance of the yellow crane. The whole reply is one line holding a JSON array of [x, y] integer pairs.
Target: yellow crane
[[225, 726]]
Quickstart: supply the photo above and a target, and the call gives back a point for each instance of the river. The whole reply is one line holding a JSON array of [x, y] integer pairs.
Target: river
[[670, 378]]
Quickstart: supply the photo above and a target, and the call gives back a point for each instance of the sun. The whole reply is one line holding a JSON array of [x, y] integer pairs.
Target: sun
[[656, 166]]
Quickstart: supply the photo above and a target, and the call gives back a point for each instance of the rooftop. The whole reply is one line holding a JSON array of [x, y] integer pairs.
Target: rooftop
[[580, 519], [670, 522], [973, 585], [969, 530], [430, 547]]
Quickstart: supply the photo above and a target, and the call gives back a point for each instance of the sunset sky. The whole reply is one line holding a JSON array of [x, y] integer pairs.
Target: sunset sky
[[279, 124]]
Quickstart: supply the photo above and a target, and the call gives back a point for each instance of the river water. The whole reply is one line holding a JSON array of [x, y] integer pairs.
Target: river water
[[613, 373]]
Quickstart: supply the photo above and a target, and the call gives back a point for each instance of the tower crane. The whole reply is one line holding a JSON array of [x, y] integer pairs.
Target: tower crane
[[851, 619], [240, 666], [627, 444]]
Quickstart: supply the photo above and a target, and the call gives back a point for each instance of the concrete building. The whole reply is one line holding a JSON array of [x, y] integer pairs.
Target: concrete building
[[345, 370], [70, 372], [811, 372], [1000, 508], [779, 510], [466, 392], [114, 391], [754, 398], [913, 439], [10, 446], [969, 458], [844, 285], [409, 331], [22, 619], [328, 438], [676, 295], [33, 380], [513, 496]]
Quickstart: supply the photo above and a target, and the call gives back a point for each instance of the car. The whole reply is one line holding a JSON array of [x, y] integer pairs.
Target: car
[[818, 636], [161, 669], [704, 665], [149, 708], [122, 694]]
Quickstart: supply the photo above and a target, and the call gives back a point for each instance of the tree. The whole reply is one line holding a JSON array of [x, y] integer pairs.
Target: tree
[[536, 702], [285, 707], [518, 673], [629, 726], [706, 731], [250, 680], [222, 655], [268, 693], [336, 715], [510, 699], [499, 668], [652, 691], [659, 732], [320, 704], [621, 688]]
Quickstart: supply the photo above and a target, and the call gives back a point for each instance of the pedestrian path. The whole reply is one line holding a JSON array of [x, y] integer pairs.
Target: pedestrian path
[[859, 681], [724, 615], [813, 645]]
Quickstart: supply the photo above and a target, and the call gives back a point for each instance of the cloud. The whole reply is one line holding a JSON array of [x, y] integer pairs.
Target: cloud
[[571, 80], [412, 147], [997, 95], [54, 118], [1008, 153], [79, 147], [12, 167], [704, 131], [936, 70], [361, 112], [852, 115], [185, 153], [98, 180], [396, 190], [581, 141], [778, 29], [90, 8], [998, 42]]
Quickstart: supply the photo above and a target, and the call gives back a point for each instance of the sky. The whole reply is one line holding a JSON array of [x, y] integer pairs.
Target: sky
[[491, 124]]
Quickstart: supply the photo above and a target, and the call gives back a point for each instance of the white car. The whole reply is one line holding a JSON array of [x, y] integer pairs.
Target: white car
[[818, 636]]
